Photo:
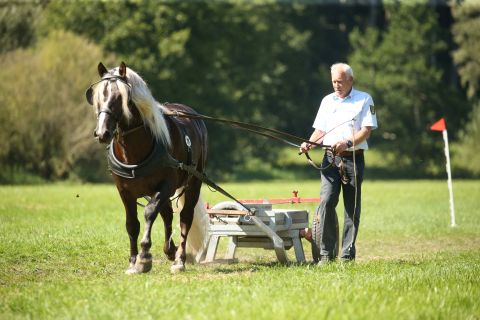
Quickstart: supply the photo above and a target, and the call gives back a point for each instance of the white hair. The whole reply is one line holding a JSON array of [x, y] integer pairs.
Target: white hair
[[342, 67]]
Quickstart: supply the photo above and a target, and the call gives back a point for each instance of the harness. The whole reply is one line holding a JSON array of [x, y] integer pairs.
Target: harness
[[158, 158], [161, 158]]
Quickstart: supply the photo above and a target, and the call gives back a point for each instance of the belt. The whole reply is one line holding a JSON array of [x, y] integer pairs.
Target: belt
[[358, 152]]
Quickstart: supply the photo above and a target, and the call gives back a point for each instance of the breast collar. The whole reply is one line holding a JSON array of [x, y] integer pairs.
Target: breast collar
[[160, 157]]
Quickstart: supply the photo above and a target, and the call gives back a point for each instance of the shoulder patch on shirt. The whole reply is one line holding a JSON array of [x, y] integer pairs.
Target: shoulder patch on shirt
[[372, 109]]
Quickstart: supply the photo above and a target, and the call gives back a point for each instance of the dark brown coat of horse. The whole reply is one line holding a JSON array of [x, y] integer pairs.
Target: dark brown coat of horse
[[134, 124]]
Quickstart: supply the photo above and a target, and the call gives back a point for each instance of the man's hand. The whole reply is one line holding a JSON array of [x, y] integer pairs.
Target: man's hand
[[305, 147], [340, 146], [316, 138]]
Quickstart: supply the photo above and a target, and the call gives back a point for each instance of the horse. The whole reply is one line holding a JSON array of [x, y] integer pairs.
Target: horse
[[145, 148]]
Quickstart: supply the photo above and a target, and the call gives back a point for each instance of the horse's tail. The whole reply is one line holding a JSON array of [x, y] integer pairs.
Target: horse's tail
[[197, 236]]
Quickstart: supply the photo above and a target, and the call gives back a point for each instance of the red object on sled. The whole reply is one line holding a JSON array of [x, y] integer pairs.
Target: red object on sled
[[294, 199]]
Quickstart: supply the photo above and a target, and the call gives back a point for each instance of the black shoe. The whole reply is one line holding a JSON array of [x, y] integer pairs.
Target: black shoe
[[347, 259]]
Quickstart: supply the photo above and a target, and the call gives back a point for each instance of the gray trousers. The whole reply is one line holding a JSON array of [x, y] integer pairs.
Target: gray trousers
[[329, 196]]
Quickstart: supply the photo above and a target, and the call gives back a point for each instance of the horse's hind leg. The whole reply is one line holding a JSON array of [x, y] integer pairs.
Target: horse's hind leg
[[169, 246], [186, 217], [144, 261]]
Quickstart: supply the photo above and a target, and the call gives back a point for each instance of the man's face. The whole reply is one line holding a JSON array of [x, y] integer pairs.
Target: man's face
[[342, 84]]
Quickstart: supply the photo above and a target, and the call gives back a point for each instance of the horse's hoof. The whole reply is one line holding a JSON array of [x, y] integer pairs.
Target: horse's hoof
[[131, 270], [143, 265], [177, 268], [170, 253]]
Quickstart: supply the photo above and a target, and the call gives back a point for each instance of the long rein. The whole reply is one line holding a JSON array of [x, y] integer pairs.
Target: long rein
[[273, 134]]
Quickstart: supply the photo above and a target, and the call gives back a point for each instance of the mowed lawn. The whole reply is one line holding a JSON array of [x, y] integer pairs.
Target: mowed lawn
[[64, 250]]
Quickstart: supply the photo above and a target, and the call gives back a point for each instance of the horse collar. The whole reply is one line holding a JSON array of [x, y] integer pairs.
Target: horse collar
[[158, 158]]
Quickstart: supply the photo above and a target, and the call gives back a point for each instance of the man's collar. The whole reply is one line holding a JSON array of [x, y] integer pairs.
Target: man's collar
[[350, 95]]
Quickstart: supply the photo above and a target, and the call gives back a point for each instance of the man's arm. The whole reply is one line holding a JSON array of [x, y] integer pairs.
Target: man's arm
[[357, 138]]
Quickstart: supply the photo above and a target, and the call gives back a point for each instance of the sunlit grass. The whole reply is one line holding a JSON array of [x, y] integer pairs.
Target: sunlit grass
[[64, 250]]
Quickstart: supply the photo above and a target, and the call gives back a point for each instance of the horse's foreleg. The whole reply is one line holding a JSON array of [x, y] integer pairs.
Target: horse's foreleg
[[133, 229]]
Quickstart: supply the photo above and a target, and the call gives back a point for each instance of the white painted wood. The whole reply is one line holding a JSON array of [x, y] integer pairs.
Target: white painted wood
[[276, 229]]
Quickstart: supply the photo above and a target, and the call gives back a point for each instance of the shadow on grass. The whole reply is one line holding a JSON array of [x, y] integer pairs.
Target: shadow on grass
[[253, 266]]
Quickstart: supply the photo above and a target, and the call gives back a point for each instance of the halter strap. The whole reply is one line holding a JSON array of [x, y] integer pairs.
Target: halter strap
[[112, 77]]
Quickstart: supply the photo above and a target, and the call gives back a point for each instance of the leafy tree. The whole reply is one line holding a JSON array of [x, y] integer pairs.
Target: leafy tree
[[466, 32], [46, 129], [398, 66], [17, 24]]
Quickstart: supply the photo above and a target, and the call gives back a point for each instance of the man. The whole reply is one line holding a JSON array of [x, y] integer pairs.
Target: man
[[344, 121]]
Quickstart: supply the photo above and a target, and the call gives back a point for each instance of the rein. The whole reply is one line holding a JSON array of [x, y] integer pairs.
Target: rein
[[262, 131], [266, 132], [127, 132]]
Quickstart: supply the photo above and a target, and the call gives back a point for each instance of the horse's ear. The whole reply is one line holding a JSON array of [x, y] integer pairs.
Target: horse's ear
[[89, 95], [122, 69], [101, 69]]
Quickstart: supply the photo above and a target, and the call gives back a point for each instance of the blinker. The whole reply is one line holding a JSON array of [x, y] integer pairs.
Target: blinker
[[89, 95]]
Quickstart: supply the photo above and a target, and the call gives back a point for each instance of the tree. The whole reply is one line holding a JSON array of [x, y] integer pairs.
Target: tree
[[17, 24], [398, 66], [46, 129], [466, 32]]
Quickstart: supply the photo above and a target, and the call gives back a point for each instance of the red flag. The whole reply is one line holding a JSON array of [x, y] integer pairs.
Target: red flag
[[440, 125]]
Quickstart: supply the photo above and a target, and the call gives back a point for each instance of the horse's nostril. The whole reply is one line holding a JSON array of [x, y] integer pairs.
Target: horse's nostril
[[95, 133]]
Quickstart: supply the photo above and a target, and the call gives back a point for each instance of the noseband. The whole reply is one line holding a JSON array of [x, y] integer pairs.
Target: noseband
[[109, 112]]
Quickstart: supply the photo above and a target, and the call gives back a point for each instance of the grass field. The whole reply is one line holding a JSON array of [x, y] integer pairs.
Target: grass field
[[64, 250]]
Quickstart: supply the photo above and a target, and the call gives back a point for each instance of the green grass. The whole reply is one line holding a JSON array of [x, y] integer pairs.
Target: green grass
[[64, 250]]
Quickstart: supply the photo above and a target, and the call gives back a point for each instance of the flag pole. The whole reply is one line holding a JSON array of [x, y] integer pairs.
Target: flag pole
[[449, 174], [440, 125]]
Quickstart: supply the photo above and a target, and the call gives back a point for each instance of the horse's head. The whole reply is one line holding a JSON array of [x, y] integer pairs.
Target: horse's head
[[110, 98]]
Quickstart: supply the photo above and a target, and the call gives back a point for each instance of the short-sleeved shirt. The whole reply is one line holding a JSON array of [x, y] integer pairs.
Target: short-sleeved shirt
[[341, 117]]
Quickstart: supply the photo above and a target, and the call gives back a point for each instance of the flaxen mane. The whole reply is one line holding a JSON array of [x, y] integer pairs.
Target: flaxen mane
[[150, 110]]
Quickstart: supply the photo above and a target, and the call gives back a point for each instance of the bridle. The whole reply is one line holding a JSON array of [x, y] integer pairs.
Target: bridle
[[107, 110], [111, 78]]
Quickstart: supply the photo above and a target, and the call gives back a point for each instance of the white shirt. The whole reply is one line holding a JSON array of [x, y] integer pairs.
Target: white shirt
[[340, 118]]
